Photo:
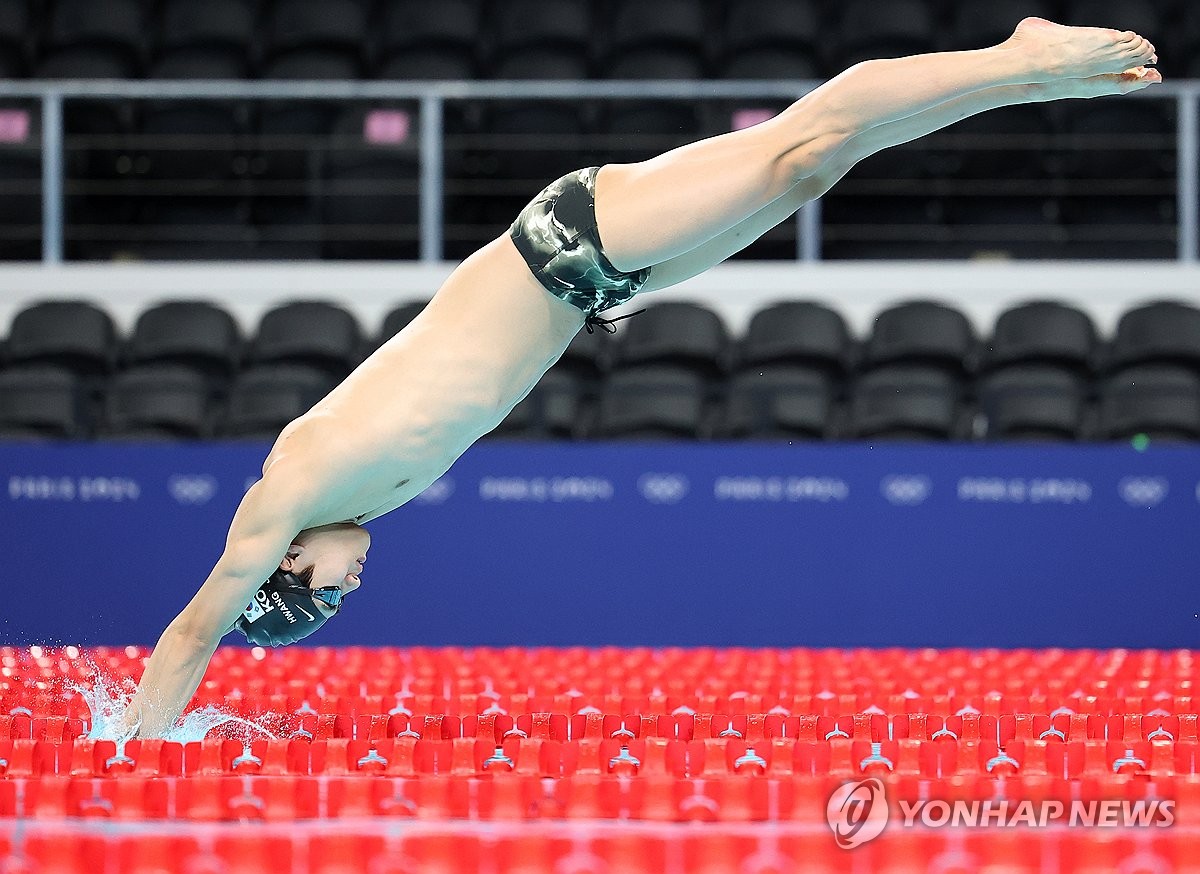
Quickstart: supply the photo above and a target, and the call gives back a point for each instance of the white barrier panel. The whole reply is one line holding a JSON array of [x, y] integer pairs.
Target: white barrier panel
[[859, 290]]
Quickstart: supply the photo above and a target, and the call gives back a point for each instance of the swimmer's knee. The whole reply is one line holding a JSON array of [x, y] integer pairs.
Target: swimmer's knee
[[812, 157]]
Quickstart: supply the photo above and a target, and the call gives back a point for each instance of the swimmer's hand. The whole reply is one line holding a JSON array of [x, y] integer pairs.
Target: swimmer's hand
[[127, 726]]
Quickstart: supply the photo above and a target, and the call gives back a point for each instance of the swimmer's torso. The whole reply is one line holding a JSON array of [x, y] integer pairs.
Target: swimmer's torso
[[405, 414]]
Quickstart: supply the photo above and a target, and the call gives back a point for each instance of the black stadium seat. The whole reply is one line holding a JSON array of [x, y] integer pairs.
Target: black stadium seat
[[371, 203], [884, 30], [72, 334], [796, 332], [1159, 401], [226, 25], [562, 24], [1042, 332], [1032, 402], [15, 27], [778, 402], [789, 25], [679, 333], [660, 25], [652, 403], [1160, 332], [313, 333], [114, 27], [314, 28], [169, 399], [921, 332], [195, 334], [265, 399], [905, 403], [550, 411], [409, 25], [44, 400], [976, 25]]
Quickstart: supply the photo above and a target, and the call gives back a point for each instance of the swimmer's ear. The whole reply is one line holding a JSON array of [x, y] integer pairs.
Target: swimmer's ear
[[289, 561]]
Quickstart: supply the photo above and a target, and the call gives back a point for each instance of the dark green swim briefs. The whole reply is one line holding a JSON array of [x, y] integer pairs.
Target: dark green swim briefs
[[556, 235]]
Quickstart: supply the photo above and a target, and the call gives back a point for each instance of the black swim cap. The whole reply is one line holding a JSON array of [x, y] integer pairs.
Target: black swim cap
[[282, 612]]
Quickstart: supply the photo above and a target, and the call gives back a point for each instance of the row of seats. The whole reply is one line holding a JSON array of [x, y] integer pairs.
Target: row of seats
[[581, 847], [615, 680], [641, 403], [496, 726], [661, 379], [343, 39], [82, 337]]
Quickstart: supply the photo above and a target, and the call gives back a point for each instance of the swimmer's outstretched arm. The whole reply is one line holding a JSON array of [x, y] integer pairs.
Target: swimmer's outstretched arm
[[259, 537]]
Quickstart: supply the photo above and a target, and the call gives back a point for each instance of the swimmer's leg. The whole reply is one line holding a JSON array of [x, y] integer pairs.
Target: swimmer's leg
[[655, 210], [876, 139]]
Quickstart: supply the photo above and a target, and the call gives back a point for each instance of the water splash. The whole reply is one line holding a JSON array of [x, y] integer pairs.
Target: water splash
[[108, 699]]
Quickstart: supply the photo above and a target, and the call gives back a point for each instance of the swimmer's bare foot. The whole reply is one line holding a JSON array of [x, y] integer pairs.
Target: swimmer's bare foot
[[1097, 86], [1059, 52]]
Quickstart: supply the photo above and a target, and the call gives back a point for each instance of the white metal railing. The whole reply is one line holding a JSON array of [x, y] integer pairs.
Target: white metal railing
[[433, 95]]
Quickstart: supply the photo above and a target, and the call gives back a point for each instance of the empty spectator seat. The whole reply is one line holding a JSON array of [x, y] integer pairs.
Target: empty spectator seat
[[654, 403], [778, 402], [414, 25], [44, 400], [195, 334], [565, 25], [1159, 401], [15, 27], [168, 399], [889, 30], [923, 332], [113, 29], [1042, 332], [310, 29], [224, 25], [680, 333], [314, 333], [371, 207], [265, 399], [791, 26], [73, 334], [905, 402], [796, 332], [1032, 402], [1163, 331], [977, 25]]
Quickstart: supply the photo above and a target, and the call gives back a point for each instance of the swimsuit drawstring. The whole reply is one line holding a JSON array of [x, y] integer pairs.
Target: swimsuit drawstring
[[593, 321]]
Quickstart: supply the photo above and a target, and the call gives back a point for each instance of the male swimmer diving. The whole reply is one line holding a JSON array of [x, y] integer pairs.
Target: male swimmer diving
[[508, 311]]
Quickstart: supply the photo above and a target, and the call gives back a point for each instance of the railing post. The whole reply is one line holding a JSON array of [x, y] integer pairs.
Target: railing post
[[432, 191], [1188, 176], [808, 227], [52, 178]]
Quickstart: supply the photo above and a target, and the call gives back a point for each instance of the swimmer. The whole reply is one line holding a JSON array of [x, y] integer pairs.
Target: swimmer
[[507, 313]]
